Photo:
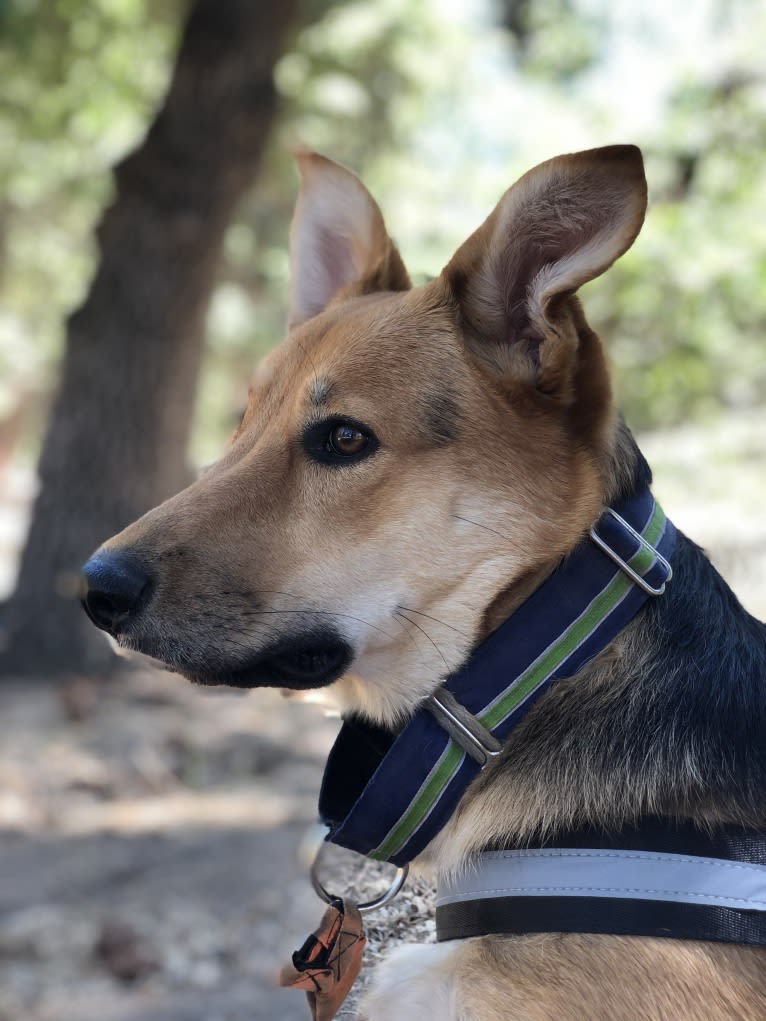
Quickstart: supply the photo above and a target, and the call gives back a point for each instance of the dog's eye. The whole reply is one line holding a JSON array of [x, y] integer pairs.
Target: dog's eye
[[339, 441], [347, 441]]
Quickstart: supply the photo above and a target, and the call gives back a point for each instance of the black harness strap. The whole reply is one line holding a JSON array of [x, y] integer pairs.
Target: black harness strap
[[622, 916], [615, 916]]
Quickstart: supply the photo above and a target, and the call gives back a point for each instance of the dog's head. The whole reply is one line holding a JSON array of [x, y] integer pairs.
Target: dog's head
[[408, 456]]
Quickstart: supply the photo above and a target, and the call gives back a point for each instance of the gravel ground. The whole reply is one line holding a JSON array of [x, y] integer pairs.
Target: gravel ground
[[149, 830]]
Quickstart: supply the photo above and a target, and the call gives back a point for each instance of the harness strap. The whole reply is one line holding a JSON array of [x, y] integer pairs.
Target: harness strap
[[716, 890]]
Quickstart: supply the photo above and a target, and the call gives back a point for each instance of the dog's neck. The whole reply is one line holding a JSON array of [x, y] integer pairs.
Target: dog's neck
[[388, 793], [669, 720], [625, 473]]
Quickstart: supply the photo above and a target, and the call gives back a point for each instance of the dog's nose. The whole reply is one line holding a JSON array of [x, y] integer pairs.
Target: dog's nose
[[117, 586]]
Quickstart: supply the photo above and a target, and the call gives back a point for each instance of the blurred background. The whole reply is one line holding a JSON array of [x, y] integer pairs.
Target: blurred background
[[147, 830]]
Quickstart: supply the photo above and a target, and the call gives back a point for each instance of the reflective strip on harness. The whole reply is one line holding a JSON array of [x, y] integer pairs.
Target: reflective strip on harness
[[636, 875], [609, 890]]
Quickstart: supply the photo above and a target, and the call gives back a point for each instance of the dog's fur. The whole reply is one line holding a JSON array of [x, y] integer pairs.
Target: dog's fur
[[496, 446]]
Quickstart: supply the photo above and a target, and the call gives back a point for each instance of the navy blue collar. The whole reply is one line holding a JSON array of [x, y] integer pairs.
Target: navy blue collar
[[387, 796]]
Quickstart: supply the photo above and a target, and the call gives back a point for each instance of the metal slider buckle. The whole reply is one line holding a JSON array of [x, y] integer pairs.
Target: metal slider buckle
[[623, 565], [463, 727]]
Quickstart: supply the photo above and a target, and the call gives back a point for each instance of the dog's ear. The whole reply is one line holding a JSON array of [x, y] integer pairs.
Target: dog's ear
[[338, 241], [562, 224]]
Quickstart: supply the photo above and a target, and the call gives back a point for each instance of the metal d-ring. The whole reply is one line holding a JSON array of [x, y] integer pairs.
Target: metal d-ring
[[317, 839]]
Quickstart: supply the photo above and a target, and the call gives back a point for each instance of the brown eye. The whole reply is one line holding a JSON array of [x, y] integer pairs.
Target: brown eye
[[339, 442], [347, 440]]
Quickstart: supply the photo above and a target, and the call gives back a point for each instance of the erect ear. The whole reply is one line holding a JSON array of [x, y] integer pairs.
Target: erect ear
[[338, 240], [562, 224]]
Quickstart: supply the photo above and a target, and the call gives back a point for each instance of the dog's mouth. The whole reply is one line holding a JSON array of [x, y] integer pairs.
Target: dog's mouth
[[311, 661]]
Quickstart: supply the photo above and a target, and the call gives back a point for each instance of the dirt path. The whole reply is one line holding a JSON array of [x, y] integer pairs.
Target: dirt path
[[148, 857], [149, 852]]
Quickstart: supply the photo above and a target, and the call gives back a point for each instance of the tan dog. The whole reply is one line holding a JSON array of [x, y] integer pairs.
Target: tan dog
[[411, 465]]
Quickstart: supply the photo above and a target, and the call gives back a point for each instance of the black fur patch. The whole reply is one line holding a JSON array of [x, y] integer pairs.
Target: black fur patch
[[633, 473], [705, 689], [442, 414], [319, 392]]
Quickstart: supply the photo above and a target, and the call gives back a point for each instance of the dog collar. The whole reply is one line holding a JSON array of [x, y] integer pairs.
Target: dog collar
[[659, 878], [387, 796]]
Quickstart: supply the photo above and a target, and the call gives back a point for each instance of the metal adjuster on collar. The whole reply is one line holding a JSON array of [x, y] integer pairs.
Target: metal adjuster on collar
[[624, 565], [463, 727]]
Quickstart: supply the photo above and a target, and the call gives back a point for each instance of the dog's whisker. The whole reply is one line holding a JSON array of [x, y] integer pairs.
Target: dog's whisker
[[434, 619], [332, 613], [227, 627], [486, 528], [292, 595], [396, 617], [426, 634]]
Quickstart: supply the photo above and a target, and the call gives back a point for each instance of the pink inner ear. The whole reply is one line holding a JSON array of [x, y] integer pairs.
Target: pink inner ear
[[336, 265], [328, 262], [338, 239]]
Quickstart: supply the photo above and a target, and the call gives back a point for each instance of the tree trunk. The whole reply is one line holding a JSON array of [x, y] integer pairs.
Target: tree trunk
[[118, 431]]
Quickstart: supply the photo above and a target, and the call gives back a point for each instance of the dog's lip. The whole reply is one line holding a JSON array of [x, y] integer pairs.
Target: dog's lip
[[300, 663]]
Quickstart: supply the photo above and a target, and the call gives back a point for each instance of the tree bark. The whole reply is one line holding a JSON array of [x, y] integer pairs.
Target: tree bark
[[118, 431]]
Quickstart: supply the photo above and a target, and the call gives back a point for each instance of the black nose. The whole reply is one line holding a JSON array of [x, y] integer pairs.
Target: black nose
[[118, 585]]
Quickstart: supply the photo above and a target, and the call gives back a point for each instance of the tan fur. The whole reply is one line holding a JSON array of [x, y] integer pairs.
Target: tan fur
[[490, 398], [570, 978]]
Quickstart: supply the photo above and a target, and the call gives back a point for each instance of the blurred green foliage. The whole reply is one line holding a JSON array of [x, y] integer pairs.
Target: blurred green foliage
[[80, 80], [439, 105]]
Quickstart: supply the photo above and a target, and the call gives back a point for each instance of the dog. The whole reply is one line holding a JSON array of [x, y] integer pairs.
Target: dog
[[414, 464]]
